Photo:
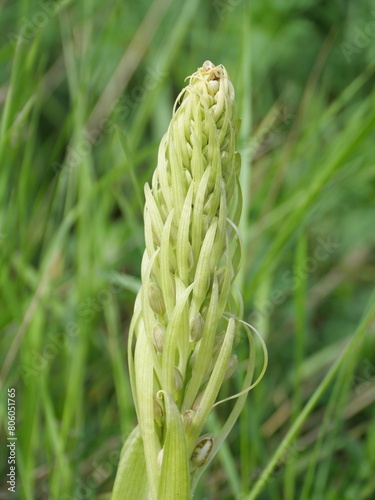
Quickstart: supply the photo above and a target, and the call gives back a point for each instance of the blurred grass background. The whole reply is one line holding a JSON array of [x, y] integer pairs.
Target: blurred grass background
[[86, 93]]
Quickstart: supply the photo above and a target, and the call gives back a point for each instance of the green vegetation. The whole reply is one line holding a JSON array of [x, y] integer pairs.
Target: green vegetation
[[86, 92]]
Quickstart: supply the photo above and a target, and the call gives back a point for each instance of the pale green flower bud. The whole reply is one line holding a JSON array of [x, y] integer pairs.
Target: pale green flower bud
[[158, 334], [178, 380], [196, 328], [197, 401], [158, 409], [232, 365], [187, 418], [156, 299], [202, 450]]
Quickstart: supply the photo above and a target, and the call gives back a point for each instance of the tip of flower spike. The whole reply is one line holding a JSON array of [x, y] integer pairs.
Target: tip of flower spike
[[211, 83], [209, 72], [213, 79], [213, 72]]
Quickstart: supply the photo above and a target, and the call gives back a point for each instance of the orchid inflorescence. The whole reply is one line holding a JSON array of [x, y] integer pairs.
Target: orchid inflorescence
[[188, 311]]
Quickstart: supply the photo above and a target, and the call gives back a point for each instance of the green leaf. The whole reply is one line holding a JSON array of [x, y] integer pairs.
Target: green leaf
[[131, 478], [144, 374], [175, 477]]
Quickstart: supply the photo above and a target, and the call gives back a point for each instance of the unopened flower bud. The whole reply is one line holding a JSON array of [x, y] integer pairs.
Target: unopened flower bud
[[197, 401], [178, 380], [196, 328], [213, 87], [232, 365], [202, 450], [156, 299], [158, 409], [187, 418], [158, 334]]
